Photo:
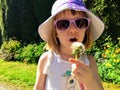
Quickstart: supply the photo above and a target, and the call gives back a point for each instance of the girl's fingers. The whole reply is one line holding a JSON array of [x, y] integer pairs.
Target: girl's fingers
[[79, 66], [74, 61]]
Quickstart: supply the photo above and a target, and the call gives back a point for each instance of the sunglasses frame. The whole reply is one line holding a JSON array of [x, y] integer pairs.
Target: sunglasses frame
[[70, 22]]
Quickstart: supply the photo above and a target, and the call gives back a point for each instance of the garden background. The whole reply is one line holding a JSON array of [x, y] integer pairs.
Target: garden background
[[20, 42]]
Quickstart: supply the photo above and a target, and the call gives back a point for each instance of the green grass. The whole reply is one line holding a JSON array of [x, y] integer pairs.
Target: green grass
[[22, 76], [18, 74]]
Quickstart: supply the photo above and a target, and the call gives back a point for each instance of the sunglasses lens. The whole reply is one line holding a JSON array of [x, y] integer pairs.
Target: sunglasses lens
[[62, 24], [82, 23]]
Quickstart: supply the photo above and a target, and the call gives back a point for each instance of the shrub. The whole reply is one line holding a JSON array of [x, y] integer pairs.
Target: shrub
[[16, 51], [8, 49], [30, 53], [108, 59]]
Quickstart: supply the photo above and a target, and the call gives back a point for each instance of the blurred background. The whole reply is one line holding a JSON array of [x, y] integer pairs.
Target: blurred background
[[19, 39]]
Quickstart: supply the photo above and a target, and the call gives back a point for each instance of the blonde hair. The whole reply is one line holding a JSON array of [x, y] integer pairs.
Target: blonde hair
[[54, 44]]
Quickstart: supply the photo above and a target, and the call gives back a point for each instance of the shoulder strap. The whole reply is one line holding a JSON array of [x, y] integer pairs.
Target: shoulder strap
[[49, 61]]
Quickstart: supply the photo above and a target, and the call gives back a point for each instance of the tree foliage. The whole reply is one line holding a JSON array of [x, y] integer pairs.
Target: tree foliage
[[21, 18], [108, 11]]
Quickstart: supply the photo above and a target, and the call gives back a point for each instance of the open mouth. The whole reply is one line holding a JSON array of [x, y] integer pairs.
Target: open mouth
[[73, 39]]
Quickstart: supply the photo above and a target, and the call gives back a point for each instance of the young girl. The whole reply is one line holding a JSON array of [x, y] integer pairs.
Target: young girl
[[70, 22]]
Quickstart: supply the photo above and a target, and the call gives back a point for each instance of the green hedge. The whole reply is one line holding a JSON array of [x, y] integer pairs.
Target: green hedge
[[17, 51]]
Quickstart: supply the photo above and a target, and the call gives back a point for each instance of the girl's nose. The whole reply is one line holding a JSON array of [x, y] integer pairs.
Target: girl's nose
[[72, 28]]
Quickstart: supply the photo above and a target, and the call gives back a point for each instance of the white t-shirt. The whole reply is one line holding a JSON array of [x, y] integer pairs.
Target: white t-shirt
[[59, 74]]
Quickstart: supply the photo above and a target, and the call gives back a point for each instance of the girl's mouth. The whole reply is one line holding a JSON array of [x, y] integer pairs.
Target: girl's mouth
[[73, 39]]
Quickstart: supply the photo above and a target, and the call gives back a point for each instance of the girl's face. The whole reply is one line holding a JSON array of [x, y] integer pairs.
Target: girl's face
[[71, 34]]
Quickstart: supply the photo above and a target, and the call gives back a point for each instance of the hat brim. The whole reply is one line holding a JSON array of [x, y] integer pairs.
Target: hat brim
[[96, 25]]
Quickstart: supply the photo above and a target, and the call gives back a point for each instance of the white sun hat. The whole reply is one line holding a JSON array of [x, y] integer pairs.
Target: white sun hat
[[96, 25]]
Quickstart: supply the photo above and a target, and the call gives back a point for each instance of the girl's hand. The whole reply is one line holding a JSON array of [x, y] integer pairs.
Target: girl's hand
[[81, 72]]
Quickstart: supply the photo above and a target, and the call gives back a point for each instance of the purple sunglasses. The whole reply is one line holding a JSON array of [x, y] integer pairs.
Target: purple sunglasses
[[79, 23]]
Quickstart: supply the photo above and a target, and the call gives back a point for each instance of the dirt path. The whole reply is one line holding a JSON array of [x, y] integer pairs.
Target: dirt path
[[8, 86], [5, 87]]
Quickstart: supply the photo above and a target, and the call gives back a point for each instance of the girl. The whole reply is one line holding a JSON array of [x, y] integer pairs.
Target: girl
[[70, 22]]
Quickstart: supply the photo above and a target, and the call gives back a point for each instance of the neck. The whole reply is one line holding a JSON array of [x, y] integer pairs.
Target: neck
[[65, 54]]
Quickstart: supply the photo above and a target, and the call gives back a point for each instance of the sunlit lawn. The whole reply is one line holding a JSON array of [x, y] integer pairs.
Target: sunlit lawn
[[21, 75], [18, 74]]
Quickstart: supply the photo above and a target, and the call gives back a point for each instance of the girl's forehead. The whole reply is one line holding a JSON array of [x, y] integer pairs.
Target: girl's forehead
[[71, 12]]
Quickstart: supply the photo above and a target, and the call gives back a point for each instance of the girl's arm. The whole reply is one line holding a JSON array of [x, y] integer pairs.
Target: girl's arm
[[97, 84], [41, 78]]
